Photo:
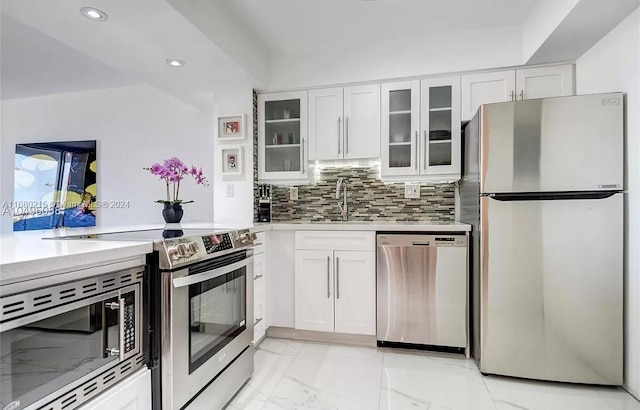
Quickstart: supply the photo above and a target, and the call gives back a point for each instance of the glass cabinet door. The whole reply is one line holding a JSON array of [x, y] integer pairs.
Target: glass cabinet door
[[440, 143], [282, 135], [400, 123]]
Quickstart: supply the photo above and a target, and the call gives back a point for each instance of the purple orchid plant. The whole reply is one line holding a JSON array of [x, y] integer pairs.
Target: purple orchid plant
[[172, 171]]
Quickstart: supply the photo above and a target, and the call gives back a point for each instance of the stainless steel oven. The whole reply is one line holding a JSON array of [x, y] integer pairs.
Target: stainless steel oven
[[64, 344], [207, 326]]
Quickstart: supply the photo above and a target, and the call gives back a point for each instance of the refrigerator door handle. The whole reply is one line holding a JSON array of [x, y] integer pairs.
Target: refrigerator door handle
[[551, 196]]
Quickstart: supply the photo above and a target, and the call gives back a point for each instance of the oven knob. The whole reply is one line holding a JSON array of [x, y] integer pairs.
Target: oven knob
[[193, 247], [173, 253], [248, 237], [182, 250]]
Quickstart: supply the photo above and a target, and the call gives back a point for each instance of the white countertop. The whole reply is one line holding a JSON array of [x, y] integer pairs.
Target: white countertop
[[26, 255], [420, 226]]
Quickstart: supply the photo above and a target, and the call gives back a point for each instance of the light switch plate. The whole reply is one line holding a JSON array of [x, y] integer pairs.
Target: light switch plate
[[293, 193], [412, 190], [229, 190]]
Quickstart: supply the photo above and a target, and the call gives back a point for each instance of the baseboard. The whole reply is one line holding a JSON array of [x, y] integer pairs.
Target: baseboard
[[329, 337]]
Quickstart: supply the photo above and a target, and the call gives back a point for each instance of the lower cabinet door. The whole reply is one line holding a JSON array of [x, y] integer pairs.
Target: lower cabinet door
[[314, 290], [355, 292], [133, 393]]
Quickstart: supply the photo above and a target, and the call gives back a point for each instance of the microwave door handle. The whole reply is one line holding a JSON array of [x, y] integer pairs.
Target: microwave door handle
[[121, 328], [203, 277], [104, 339]]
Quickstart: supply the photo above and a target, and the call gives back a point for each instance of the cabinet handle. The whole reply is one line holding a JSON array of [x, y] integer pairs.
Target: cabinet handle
[[303, 171], [346, 136], [328, 279], [257, 277], [337, 278], [426, 144], [416, 166], [338, 135], [257, 321], [522, 94]]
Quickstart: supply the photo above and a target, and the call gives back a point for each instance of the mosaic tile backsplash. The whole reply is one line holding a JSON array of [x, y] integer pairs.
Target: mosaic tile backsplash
[[368, 198]]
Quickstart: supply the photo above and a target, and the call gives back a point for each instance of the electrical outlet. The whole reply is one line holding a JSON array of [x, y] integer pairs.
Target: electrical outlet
[[411, 190], [229, 190], [293, 193]]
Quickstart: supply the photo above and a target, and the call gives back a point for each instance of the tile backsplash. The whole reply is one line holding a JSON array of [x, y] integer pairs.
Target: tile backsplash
[[368, 198]]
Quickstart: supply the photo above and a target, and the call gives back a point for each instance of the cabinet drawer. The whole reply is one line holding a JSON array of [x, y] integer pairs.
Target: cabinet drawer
[[259, 249], [336, 240], [258, 331]]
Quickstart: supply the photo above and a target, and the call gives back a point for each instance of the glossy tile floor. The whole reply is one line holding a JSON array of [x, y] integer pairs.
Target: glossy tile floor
[[292, 374]]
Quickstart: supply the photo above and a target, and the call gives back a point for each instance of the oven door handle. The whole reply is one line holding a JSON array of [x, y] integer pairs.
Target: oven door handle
[[205, 276]]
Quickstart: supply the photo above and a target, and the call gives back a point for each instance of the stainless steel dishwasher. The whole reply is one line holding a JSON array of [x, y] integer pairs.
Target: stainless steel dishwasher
[[422, 290]]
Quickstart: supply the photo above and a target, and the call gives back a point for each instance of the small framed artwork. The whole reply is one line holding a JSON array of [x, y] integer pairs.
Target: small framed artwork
[[231, 128], [232, 161]]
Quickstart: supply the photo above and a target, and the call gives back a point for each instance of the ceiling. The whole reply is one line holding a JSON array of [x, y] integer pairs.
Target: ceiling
[[49, 47], [293, 26], [35, 64]]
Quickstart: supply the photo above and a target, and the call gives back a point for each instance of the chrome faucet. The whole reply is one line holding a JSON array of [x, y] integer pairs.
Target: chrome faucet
[[341, 185]]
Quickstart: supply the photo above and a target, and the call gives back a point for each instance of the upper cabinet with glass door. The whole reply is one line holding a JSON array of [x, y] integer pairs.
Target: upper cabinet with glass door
[[440, 146], [421, 130], [400, 128], [282, 137]]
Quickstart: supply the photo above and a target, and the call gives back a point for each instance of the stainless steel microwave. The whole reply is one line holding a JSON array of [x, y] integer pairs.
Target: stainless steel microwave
[[63, 345]]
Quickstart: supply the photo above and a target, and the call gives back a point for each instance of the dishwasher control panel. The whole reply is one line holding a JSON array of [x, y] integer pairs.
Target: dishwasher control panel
[[439, 240]]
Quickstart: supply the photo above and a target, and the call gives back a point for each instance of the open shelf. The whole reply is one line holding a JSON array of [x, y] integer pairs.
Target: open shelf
[[391, 144], [440, 141], [440, 109], [399, 112]]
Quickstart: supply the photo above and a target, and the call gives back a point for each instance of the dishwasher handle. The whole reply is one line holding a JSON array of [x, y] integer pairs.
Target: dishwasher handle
[[418, 243]]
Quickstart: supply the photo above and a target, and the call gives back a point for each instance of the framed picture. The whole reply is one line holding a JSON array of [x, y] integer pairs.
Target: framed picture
[[231, 128], [232, 161]]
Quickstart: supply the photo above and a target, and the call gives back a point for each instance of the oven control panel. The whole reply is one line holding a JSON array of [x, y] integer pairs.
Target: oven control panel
[[217, 243]]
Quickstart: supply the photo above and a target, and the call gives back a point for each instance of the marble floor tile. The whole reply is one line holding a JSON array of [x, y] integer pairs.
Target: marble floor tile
[[510, 394], [433, 381], [329, 376], [291, 374], [282, 347], [269, 368], [245, 404]]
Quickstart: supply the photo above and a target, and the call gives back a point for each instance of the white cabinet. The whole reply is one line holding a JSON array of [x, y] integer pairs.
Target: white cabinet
[[400, 128], [314, 290], [282, 137], [326, 114], [355, 298], [133, 393], [335, 286], [513, 85], [344, 123], [543, 82], [259, 290], [421, 129]]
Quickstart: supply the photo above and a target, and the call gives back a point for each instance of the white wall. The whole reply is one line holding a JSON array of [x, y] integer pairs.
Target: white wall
[[613, 64], [135, 127], [543, 19], [460, 51], [237, 98]]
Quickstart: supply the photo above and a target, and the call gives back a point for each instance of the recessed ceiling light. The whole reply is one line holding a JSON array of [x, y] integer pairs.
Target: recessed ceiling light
[[94, 14], [175, 63]]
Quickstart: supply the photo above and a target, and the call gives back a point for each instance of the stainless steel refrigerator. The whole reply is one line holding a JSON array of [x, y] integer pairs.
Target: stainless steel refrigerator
[[542, 186]]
